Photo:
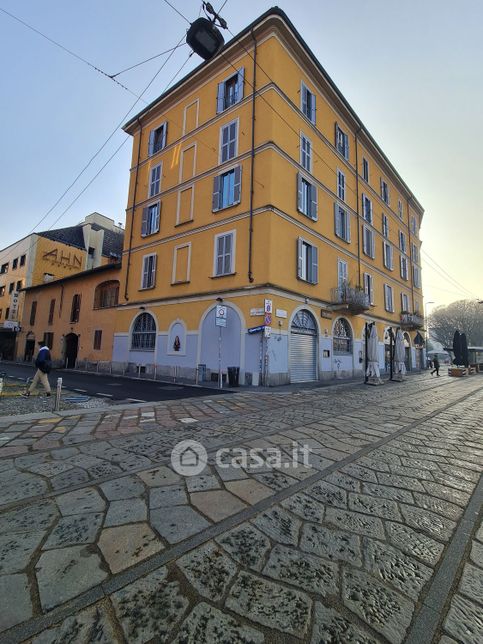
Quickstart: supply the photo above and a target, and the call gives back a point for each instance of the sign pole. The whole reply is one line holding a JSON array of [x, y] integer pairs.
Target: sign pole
[[220, 375]]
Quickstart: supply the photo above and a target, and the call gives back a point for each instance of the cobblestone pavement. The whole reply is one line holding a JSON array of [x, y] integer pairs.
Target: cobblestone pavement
[[378, 539]]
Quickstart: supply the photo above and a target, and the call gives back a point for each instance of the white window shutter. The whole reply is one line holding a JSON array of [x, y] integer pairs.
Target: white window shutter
[[304, 99], [314, 276], [313, 201], [145, 272], [313, 109], [348, 225], [158, 216], [240, 84], [165, 135], [337, 222], [346, 146], [153, 270], [237, 185], [216, 193], [299, 192], [151, 143], [144, 222], [299, 257], [373, 245], [220, 98]]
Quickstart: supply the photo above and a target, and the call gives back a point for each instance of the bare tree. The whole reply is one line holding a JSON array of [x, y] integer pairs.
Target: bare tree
[[465, 316]]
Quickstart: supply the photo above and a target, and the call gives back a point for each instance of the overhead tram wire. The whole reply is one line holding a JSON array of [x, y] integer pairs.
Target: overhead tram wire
[[145, 61], [94, 156], [433, 265], [68, 51], [178, 12]]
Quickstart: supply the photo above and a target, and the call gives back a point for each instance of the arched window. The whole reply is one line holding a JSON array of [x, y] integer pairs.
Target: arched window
[[304, 323], [106, 295], [144, 333], [342, 336]]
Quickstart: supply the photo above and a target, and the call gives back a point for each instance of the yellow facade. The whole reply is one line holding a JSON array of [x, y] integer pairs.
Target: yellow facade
[[272, 232], [69, 330]]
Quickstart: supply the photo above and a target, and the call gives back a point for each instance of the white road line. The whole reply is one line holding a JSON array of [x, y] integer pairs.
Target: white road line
[[82, 391], [103, 395], [135, 400]]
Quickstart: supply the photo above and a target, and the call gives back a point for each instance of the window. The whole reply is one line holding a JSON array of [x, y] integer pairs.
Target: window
[[224, 254], [2, 291], [307, 262], [384, 191], [342, 222], [11, 287], [7, 313], [367, 208], [14, 263], [150, 220], [144, 333], [387, 252], [341, 185], [305, 153], [388, 299], [48, 339], [308, 103], [413, 225], [227, 189], [417, 276], [157, 139], [51, 311], [404, 303], [155, 181], [4, 268], [33, 312], [368, 242], [342, 336], [365, 170], [369, 287], [342, 274], [385, 225], [228, 141], [306, 197], [22, 260], [341, 142], [106, 295], [97, 339], [75, 310], [230, 91], [415, 253], [399, 208], [404, 267], [19, 285], [148, 279], [1, 313], [402, 241]]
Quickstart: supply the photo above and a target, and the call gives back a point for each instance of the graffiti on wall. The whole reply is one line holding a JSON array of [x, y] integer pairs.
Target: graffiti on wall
[[62, 258]]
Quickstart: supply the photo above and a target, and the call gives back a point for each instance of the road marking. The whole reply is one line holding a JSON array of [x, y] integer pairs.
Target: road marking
[[135, 400], [82, 391], [103, 395]]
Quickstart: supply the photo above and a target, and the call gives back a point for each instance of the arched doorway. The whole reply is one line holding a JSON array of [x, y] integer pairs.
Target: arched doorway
[[71, 349], [303, 347], [29, 347]]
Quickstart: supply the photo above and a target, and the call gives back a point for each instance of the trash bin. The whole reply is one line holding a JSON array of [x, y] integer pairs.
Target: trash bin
[[233, 376]]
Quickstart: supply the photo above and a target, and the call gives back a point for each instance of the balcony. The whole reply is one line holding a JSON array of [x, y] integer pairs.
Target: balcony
[[411, 321], [352, 298]]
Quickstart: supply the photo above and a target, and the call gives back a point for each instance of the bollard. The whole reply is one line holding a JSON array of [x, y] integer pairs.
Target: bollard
[[57, 394]]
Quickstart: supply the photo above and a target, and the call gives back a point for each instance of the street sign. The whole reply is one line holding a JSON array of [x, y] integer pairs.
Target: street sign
[[268, 306], [268, 319], [220, 319], [256, 329], [256, 312], [268, 331]]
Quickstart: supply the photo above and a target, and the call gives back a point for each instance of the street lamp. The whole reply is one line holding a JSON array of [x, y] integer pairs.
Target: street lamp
[[426, 304]]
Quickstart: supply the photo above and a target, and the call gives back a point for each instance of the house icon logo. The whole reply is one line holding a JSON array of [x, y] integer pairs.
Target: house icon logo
[[189, 458]]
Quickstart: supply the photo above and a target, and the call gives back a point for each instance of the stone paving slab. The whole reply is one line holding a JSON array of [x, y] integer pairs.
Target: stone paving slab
[[344, 549]]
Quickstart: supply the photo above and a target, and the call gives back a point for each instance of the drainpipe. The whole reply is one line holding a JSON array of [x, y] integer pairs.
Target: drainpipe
[[357, 210], [133, 211], [252, 176]]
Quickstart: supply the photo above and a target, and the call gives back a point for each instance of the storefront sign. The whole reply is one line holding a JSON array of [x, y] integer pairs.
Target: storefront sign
[[220, 319], [14, 306]]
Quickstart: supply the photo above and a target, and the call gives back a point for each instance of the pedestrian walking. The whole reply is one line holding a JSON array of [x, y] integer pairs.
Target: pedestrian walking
[[435, 365], [43, 363]]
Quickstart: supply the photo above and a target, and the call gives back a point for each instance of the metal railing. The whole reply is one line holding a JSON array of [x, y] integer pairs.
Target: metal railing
[[411, 321], [356, 298]]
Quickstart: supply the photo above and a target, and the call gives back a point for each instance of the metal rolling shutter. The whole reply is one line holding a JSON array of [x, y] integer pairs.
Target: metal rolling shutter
[[303, 357]]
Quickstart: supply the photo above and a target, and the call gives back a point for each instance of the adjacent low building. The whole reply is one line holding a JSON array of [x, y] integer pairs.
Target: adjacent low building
[[74, 316]]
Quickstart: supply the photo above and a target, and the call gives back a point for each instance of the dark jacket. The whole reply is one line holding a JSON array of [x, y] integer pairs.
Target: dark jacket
[[43, 361]]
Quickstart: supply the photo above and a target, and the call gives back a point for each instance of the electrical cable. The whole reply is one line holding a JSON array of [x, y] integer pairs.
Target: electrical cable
[[145, 61], [178, 12]]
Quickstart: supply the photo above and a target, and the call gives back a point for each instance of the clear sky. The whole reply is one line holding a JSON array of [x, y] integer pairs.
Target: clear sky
[[412, 70]]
